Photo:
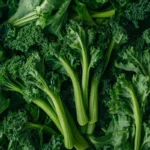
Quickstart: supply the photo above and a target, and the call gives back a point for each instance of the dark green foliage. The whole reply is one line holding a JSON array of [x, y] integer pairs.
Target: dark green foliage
[[12, 128], [74, 74], [54, 144], [25, 38], [116, 136], [138, 10], [14, 123]]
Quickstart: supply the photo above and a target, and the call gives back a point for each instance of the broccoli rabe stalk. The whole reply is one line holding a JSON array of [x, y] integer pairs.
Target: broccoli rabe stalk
[[39, 102], [80, 110], [82, 43], [17, 129], [76, 39], [9, 72], [49, 111], [64, 61], [93, 100], [104, 14], [31, 75], [126, 104], [119, 36], [28, 72], [80, 142]]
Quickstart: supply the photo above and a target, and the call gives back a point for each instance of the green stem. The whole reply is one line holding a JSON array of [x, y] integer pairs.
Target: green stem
[[31, 14], [48, 130], [25, 21], [60, 119], [138, 119], [85, 77], [80, 142], [93, 109], [48, 110], [108, 54], [80, 109], [93, 105], [67, 133], [13, 20], [105, 14], [12, 87], [85, 73], [90, 128], [93, 101]]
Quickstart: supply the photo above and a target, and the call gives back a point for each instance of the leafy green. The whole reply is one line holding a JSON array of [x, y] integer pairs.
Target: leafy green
[[42, 14], [58, 20], [25, 6], [83, 12], [116, 135], [135, 61], [24, 38], [54, 144], [138, 11], [145, 143], [77, 71], [130, 99]]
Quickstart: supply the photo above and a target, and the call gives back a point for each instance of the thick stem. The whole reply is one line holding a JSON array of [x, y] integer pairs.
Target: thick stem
[[108, 54], [85, 73], [80, 109], [90, 128], [93, 105], [80, 142], [47, 109], [60, 119], [67, 133], [93, 101], [25, 21], [85, 78], [12, 20], [105, 14], [138, 119], [12, 87]]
